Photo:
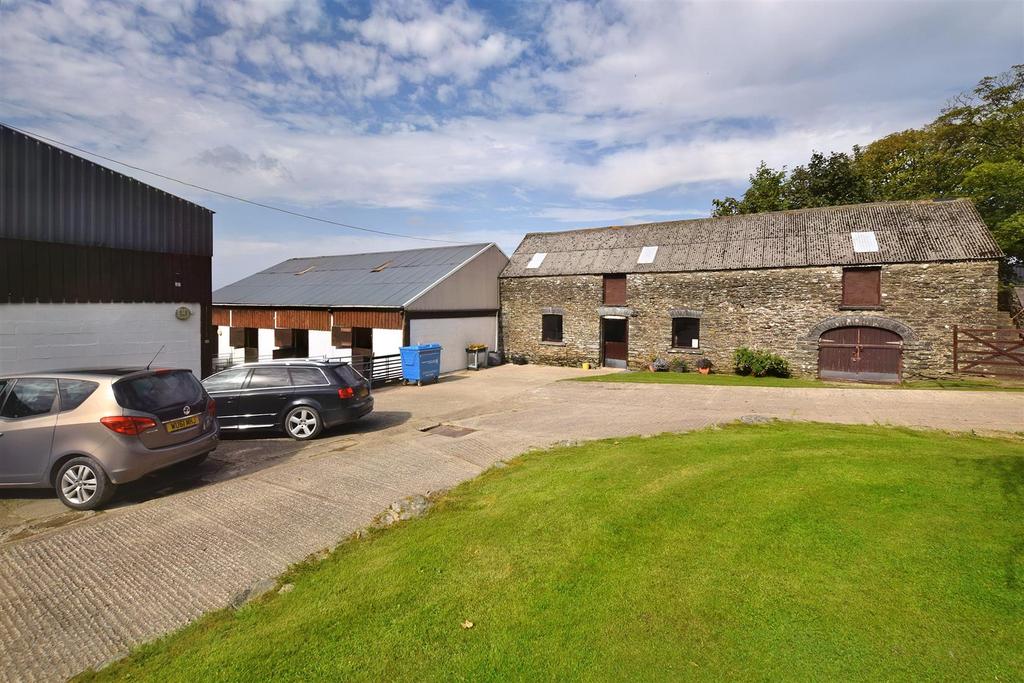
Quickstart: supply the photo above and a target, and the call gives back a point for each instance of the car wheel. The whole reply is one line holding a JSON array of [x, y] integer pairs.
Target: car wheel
[[83, 485], [303, 423]]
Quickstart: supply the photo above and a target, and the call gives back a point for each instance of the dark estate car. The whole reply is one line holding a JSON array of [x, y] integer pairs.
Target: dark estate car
[[301, 397], [84, 432]]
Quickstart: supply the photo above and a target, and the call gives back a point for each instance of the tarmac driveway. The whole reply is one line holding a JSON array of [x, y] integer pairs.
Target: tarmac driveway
[[77, 590]]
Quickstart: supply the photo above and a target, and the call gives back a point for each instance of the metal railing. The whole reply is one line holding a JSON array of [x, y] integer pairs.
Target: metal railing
[[379, 369]]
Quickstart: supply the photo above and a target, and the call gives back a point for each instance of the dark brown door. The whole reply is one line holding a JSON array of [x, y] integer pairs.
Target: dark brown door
[[615, 335], [860, 354]]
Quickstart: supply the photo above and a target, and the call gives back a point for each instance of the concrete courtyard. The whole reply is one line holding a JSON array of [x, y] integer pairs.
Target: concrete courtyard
[[79, 589]]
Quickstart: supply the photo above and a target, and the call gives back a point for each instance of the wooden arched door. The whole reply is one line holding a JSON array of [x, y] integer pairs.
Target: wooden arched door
[[860, 354]]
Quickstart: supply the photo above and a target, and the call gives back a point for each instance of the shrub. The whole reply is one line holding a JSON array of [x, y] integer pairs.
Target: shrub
[[704, 364], [678, 365], [759, 363], [659, 365]]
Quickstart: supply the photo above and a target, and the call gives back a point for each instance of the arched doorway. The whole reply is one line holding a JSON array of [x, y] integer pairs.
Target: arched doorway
[[860, 354]]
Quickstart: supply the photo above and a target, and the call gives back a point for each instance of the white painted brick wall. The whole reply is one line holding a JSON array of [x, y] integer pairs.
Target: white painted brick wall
[[35, 337]]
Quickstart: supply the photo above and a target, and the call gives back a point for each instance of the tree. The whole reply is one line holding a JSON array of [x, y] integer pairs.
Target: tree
[[997, 189], [975, 148], [898, 166], [1009, 234], [824, 181], [764, 194]]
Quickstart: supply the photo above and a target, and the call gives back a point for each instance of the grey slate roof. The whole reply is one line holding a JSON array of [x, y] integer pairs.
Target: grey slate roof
[[348, 280], [910, 231]]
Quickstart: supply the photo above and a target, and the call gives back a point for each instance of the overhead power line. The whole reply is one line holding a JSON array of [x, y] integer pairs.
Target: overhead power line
[[227, 195]]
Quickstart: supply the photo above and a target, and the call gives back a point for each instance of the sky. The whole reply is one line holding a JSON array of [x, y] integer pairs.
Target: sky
[[478, 121]]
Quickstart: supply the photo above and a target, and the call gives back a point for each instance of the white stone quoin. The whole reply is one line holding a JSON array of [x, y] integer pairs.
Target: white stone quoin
[[39, 337]]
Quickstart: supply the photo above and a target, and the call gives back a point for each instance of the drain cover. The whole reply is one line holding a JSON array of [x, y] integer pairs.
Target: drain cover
[[449, 430]]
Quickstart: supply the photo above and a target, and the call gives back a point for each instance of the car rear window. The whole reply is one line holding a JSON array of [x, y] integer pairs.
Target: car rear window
[[268, 378], [349, 376], [150, 393], [73, 392], [307, 377]]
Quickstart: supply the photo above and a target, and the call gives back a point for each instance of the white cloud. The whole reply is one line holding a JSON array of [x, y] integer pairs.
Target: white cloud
[[597, 215], [608, 100]]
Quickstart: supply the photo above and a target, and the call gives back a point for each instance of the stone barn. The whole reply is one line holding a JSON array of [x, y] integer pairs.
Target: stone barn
[[866, 292]]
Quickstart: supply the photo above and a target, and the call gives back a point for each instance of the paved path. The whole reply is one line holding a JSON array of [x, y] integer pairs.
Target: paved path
[[77, 596]]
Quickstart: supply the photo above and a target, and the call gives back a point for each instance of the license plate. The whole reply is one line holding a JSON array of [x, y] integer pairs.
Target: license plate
[[183, 423]]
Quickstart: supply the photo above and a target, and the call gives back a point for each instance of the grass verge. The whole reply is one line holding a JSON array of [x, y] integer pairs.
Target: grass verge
[[775, 551], [730, 380]]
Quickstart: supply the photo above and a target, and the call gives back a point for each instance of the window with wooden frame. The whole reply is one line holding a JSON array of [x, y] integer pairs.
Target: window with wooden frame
[[862, 287], [551, 328], [615, 290], [685, 333]]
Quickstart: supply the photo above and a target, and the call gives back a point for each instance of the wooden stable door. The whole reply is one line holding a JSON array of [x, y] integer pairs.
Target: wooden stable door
[[860, 354], [615, 341]]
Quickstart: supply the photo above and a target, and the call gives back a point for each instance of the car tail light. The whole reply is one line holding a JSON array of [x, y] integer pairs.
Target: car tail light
[[130, 426], [211, 408], [346, 392]]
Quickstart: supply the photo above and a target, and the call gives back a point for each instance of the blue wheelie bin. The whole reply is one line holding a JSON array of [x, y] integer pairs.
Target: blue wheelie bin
[[421, 364]]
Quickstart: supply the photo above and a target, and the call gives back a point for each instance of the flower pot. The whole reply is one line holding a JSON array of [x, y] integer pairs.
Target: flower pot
[[705, 371]]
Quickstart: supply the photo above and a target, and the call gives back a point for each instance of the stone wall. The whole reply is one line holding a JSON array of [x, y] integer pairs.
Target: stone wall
[[780, 310]]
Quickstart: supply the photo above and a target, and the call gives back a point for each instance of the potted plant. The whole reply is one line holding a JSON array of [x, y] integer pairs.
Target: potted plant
[[704, 366], [658, 365], [677, 365]]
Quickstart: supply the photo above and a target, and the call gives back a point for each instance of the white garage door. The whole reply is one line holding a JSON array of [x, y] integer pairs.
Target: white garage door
[[454, 335]]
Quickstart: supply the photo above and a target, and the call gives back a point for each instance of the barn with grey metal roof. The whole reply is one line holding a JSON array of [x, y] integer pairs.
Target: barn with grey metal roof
[[383, 279], [364, 305], [904, 232]]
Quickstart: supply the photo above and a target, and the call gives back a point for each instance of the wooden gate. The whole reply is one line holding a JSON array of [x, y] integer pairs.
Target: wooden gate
[[988, 351], [860, 354]]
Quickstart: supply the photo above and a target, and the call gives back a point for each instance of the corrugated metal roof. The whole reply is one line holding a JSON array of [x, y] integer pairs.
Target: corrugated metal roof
[[348, 280], [49, 195], [906, 232]]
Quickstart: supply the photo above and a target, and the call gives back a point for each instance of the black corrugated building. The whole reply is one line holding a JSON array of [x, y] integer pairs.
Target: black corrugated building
[[74, 234]]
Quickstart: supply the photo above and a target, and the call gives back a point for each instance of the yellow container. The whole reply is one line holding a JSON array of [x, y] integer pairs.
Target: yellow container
[[586, 366]]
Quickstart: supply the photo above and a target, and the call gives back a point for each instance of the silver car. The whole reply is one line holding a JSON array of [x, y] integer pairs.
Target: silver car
[[84, 432]]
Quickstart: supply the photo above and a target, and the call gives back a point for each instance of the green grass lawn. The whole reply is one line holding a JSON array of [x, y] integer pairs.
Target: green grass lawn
[[731, 380], [775, 551]]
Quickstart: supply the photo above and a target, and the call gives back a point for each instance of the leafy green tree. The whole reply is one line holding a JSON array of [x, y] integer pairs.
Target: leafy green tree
[[1009, 233], [898, 166], [764, 194], [825, 181], [997, 189], [975, 148]]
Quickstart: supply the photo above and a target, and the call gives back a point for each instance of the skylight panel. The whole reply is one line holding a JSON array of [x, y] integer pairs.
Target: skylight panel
[[536, 260], [864, 242], [647, 255]]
